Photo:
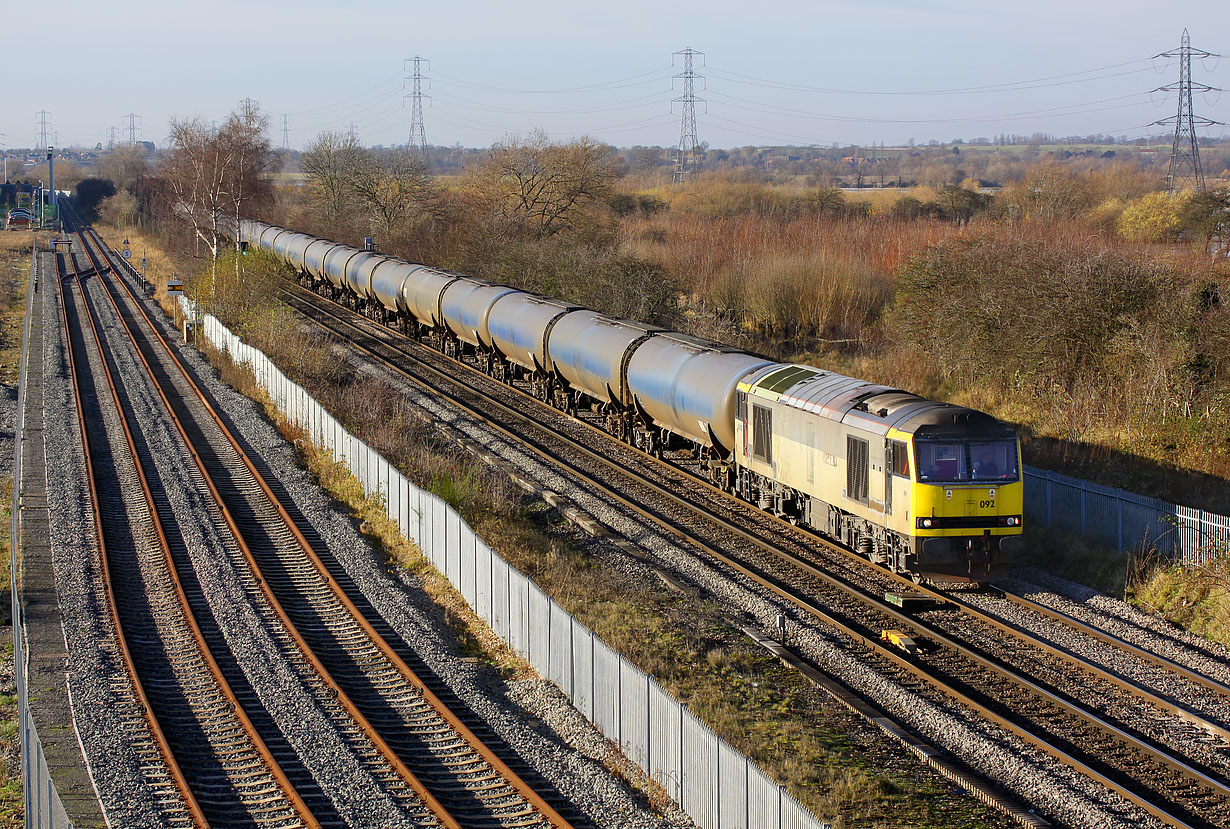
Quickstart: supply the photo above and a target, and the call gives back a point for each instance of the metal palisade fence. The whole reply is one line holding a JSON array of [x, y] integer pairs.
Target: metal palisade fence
[[716, 785], [1122, 520]]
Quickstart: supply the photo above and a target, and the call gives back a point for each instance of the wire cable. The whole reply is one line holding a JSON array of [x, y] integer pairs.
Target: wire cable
[[566, 91], [1008, 86], [346, 101]]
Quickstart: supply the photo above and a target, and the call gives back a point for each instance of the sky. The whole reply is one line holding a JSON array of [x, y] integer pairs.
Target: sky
[[788, 72]]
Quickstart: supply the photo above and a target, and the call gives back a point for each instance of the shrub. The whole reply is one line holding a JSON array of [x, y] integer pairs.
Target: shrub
[[1007, 307], [1155, 217]]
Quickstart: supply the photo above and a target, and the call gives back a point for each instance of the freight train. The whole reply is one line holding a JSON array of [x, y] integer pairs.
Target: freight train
[[923, 488]]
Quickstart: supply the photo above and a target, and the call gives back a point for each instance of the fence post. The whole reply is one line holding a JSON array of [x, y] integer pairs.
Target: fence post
[[1119, 527]]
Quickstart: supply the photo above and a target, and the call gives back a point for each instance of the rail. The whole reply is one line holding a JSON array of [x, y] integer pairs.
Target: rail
[[390, 655]]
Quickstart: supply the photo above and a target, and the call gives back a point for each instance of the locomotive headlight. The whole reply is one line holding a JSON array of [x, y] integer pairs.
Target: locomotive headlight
[[926, 522]]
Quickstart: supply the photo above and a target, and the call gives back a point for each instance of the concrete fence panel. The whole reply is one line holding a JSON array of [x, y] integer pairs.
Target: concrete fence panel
[[666, 740]]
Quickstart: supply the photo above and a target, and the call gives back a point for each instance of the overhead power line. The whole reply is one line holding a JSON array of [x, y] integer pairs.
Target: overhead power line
[[567, 91], [1035, 83]]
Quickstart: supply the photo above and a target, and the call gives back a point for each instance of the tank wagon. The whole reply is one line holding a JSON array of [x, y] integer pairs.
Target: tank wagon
[[920, 487]]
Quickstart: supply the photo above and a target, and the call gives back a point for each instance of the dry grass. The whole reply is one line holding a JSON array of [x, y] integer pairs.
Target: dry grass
[[880, 201], [1196, 598], [14, 275], [780, 286], [142, 244], [17, 241]]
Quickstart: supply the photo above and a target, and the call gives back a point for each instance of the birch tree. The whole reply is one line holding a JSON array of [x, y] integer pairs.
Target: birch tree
[[212, 173]]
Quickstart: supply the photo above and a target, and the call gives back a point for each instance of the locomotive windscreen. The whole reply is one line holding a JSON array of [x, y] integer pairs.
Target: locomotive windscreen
[[966, 461]]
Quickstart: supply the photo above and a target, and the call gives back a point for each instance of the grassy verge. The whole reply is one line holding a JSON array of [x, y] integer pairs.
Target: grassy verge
[[14, 276], [1194, 597], [825, 757]]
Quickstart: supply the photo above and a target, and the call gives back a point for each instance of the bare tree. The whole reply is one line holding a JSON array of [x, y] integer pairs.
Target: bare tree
[[242, 139], [125, 166], [211, 173], [329, 163], [393, 185], [541, 187], [119, 209], [195, 172]]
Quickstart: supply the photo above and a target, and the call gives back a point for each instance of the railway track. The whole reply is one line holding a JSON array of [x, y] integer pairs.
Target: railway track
[[1082, 715], [438, 767], [219, 772]]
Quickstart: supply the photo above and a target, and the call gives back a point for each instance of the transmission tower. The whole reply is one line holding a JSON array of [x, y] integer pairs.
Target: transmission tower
[[687, 157], [249, 109], [286, 132], [111, 140], [133, 118], [44, 128], [1185, 170], [418, 136]]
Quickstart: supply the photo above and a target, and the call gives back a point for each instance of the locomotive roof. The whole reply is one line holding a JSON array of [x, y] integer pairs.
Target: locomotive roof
[[869, 406]]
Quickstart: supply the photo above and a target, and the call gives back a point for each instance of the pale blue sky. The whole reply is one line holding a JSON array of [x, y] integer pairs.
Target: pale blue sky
[[1042, 66]]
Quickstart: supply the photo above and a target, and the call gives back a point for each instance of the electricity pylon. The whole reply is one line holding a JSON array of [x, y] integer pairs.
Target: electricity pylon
[[1185, 170], [687, 156]]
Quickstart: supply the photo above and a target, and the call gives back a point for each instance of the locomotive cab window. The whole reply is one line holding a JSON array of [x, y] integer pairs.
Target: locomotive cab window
[[942, 462], [762, 433], [899, 458], [993, 461]]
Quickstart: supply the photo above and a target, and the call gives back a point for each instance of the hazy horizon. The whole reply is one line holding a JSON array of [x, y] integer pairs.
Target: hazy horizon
[[885, 71]]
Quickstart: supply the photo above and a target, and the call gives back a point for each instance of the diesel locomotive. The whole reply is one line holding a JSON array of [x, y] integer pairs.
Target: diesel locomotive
[[920, 487]]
